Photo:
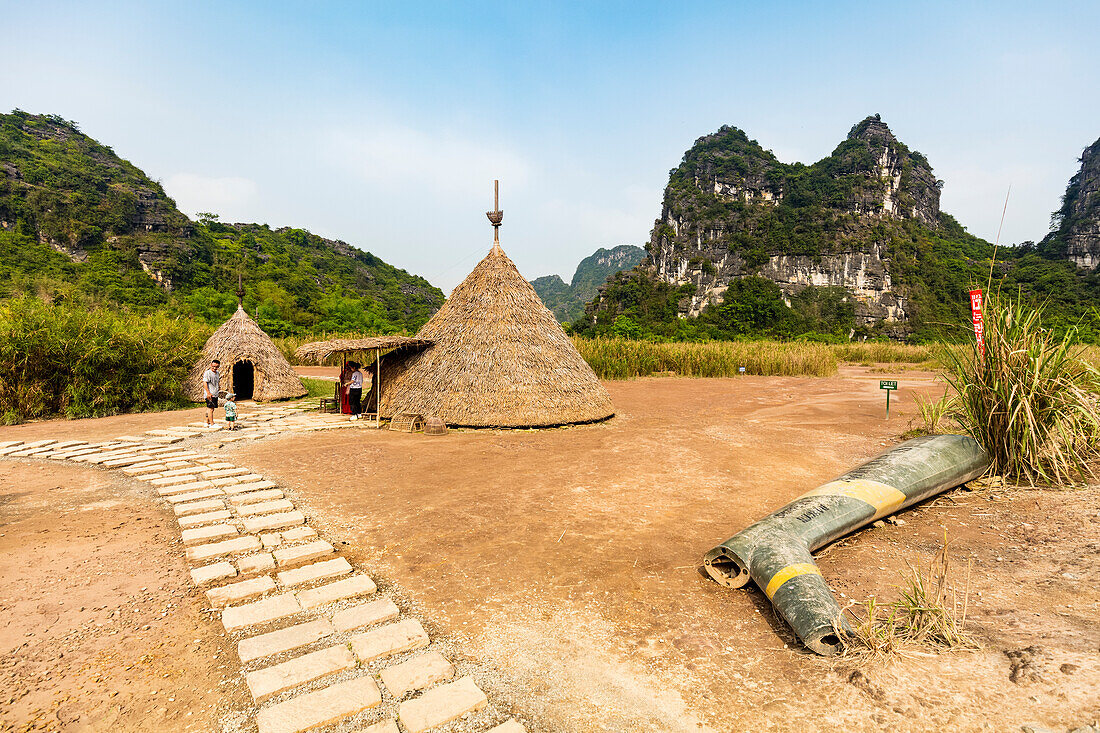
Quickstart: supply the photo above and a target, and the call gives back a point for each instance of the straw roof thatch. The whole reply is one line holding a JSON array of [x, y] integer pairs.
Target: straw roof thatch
[[318, 351], [499, 359], [240, 339]]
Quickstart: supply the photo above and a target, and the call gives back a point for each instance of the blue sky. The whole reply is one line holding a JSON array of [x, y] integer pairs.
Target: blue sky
[[383, 124]]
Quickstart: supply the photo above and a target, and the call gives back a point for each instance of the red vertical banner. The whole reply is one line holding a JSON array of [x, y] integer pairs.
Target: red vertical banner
[[976, 317]]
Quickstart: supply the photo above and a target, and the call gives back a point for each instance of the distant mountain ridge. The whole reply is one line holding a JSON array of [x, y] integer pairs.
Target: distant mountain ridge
[[852, 245], [567, 302], [76, 220]]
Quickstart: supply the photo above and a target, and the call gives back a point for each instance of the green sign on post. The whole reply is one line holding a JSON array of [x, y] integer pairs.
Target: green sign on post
[[889, 385]]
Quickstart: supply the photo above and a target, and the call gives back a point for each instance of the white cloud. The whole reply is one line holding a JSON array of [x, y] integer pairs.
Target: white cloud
[[223, 196]]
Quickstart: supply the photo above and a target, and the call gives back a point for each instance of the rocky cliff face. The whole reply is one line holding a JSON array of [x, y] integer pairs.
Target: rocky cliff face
[[732, 209], [1076, 235]]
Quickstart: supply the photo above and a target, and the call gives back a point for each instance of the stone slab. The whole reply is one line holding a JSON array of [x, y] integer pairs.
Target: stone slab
[[283, 640], [197, 520], [187, 470], [385, 641], [260, 612], [200, 535], [441, 705], [256, 563], [303, 553], [359, 585], [327, 705], [265, 507], [198, 507], [194, 495], [316, 571], [269, 681], [254, 486], [143, 468], [273, 521], [509, 726], [422, 671], [121, 462], [365, 614], [211, 573], [167, 478], [248, 543], [255, 496], [270, 539], [223, 472], [299, 533], [245, 589], [219, 464], [184, 488], [164, 439]]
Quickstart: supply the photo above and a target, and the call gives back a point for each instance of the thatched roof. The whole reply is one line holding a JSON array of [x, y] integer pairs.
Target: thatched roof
[[499, 359], [318, 351], [240, 339]]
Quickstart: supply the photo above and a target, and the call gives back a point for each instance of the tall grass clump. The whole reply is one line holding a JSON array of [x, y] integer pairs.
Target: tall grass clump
[[625, 359], [80, 362], [1031, 399]]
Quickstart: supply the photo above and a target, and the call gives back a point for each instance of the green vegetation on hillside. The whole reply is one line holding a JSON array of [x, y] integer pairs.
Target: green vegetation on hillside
[[79, 224], [567, 301]]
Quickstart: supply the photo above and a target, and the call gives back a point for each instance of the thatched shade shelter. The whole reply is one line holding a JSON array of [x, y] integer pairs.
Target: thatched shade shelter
[[499, 359], [320, 351], [252, 366]]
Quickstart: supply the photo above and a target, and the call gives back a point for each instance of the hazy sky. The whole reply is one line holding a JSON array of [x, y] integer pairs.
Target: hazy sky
[[383, 124]]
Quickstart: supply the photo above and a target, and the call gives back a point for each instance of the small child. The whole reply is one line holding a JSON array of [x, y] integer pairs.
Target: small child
[[231, 411]]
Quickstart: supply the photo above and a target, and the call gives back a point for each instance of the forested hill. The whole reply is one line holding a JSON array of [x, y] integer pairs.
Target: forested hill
[[78, 222], [854, 244], [567, 301]]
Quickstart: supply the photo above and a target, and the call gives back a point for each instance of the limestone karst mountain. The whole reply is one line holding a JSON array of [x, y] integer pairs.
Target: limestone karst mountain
[[567, 302], [859, 233]]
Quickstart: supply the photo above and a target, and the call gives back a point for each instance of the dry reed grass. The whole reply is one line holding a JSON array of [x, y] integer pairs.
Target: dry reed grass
[[622, 359]]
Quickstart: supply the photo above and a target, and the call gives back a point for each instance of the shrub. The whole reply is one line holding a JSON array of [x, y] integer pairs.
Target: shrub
[[80, 362], [1030, 399]]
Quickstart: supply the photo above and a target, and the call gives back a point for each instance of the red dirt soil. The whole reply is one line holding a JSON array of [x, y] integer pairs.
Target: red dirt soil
[[568, 560]]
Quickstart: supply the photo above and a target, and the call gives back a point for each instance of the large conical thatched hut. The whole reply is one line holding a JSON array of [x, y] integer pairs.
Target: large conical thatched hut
[[499, 358], [251, 366]]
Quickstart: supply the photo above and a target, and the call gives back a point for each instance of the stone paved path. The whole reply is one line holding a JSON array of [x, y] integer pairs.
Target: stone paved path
[[318, 644]]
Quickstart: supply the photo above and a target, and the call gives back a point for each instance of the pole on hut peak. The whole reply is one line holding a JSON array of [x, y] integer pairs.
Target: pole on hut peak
[[496, 216], [240, 291]]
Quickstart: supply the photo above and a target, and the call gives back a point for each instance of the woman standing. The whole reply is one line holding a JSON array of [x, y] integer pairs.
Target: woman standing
[[345, 381], [355, 390]]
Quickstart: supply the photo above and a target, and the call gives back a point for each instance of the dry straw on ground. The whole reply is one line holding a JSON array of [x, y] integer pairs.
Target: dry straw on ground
[[930, 613], [241, 339]]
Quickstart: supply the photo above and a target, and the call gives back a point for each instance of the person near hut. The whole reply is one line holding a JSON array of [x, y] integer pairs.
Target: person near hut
[[345, 380], [230, 411], [355, 390], [210, 381]]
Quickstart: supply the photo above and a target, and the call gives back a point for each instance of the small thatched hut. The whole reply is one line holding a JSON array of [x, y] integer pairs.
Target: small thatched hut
[[499, 358], [252, 366]]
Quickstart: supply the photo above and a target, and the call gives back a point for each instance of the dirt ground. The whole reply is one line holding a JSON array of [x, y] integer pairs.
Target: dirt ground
[[99, 630], [568, 561]]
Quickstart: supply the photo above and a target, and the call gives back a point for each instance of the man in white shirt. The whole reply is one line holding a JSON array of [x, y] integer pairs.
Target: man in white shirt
[[210, 381]]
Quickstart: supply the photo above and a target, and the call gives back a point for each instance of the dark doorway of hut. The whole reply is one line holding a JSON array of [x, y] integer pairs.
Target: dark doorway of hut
[[243, 380]]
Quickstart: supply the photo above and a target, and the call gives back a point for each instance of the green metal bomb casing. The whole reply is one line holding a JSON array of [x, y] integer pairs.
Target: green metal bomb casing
[[775, 552]]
